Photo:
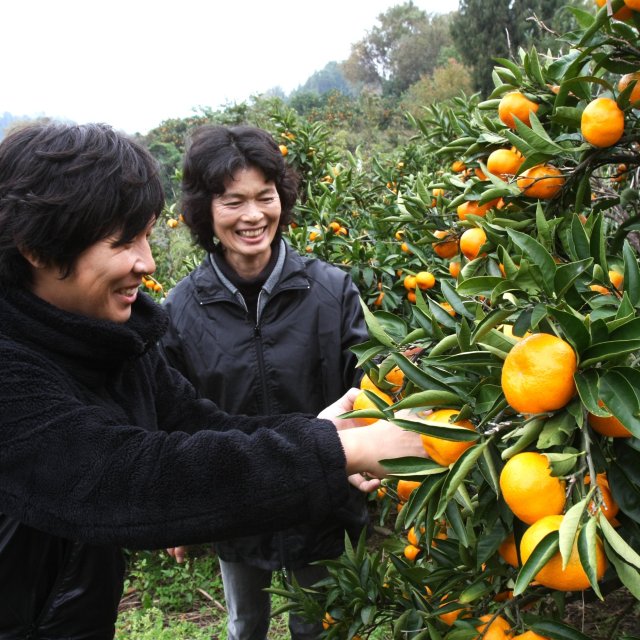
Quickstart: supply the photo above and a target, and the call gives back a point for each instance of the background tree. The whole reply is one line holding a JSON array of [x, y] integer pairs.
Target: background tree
[[485, 29], [403, 47]]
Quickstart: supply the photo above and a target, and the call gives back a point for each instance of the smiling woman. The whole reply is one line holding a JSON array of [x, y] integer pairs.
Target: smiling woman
[[102, 443]]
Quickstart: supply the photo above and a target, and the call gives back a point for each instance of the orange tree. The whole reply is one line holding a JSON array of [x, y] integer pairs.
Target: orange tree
[[534, 343]]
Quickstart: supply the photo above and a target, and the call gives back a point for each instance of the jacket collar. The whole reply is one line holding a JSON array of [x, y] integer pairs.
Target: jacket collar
[[289, 273]]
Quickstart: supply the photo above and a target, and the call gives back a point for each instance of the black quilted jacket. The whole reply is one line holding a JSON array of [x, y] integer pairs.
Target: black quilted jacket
[[294, 357]]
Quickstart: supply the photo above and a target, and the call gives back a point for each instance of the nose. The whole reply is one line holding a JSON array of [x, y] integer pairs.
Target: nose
[[144, 263], [252, 210]]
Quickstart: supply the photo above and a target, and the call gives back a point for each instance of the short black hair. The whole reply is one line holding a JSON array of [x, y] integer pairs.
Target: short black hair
[[64, 187], [214, 155]]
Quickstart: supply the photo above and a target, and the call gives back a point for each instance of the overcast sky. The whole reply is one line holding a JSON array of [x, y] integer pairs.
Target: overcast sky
[[134, 63]]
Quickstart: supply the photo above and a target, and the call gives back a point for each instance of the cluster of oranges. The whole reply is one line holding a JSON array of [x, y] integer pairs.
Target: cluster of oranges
[[152, 284]]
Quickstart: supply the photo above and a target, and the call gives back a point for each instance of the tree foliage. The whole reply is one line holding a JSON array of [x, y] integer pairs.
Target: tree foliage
[[398, 51], [486, 29]]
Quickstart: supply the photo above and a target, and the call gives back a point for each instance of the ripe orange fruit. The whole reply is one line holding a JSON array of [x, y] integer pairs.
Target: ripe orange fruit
[[362, 401], [405, 488], [530, 635], [600, 289], [499, 629], [396, 378], [327, 621], [473, 207], [404, 247], [412, 537], [516, 105], [573, 577], [537, 374], [425, 280], [436, 193], [616, 279], [448, 308], [378, 300], [450, 617], [447, 245], [411, 552], [454, 268], [610, 427], [621, 14], [334, 226], [542, 181], [609, 506], [283, 149], [314, 235], [409, 282], [623, 83], [458, 166], [633, 4], [445, 452], [602, 122], [508, 552], [504, 162], [471, 241], [411, 297], [529, 489]]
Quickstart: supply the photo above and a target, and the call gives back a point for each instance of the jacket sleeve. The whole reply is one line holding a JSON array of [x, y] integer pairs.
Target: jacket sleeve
[[76, 470], [354, 331]]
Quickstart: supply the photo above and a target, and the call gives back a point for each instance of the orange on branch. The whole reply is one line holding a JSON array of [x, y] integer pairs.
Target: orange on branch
[[624, 13], [409, 282], [552, 575], [516, 105], [447, 245], [625, 80], [602, 122], [471, 241], [498, 629], [446, 452], [542, 181], [363, 401], [405, 488], [529, 489], [504, 162], [454, 268], [608, 506], [425, 280], [609, 426], [473, 207], [537, 374]]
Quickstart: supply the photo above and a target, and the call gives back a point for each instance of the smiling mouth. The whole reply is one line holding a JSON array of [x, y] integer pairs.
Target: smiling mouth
[[251, 233], [130, 291]]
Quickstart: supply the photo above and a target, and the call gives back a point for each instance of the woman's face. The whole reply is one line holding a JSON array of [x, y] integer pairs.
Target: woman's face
[[104, 282], [245, 220]]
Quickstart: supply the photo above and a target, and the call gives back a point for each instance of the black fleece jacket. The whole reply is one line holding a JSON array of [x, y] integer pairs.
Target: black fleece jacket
[[103, 445]]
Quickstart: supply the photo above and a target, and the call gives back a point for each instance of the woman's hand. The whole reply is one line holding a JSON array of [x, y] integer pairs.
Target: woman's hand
[[364, 447], [340, 406]]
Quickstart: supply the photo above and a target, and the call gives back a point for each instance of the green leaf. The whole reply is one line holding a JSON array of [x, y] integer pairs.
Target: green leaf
[[367, 351], [429, 399], [572, 327], [375, 328], [544, 551], [567, 274], [580, 239], [417, 467], [618, 543], [629, 576], [422, 379], [568, 530], [611, 350], [526, 435], [558, 630], [587, 542], [459, 471], [437, 429], [631, 274], [539, 255], [587, 385], [597, 243]]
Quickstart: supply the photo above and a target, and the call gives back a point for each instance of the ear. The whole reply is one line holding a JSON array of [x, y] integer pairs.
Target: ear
[[33, 259]]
